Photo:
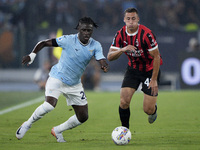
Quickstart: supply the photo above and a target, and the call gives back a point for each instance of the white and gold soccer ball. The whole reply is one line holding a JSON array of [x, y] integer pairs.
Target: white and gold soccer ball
[[121, 135]]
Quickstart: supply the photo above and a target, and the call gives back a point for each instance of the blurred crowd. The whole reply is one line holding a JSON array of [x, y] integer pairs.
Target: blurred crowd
[[23, 21], [181, 15]]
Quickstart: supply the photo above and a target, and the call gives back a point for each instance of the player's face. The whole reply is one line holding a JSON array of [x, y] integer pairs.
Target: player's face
[[131, 20], [85, 32]]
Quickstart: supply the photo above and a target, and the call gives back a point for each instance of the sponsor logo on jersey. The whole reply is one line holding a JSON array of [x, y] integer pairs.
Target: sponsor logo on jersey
[[136, 53]]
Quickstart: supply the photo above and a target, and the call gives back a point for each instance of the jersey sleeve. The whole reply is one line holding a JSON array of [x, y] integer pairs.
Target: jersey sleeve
[[150, 40], [116, 44], [99, 52], [62, 41]]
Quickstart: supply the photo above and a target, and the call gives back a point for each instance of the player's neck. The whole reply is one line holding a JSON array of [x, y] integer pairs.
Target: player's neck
[[84, 44], [131, 32]]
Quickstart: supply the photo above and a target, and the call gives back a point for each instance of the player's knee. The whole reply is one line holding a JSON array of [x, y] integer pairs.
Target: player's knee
[[51, 100], [83, 117], [124, 104]]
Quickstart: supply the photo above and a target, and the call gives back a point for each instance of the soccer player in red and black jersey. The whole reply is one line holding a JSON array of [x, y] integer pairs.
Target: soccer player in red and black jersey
[[139, 44]]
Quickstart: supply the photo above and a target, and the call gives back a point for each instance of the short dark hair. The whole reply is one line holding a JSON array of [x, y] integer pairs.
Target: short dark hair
[[130, 10], [86, 20]]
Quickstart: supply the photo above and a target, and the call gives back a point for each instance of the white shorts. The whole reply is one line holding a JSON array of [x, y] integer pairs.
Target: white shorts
[[74, 94]]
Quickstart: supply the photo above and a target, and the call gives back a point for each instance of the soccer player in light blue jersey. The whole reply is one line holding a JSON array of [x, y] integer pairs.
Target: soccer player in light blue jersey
[[65, 76]]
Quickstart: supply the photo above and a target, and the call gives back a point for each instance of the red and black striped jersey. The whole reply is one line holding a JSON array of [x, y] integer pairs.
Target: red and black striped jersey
[[144, 40]]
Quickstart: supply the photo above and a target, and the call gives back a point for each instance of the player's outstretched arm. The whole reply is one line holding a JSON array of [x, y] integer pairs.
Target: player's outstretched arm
[[28, 59], [103, 64]]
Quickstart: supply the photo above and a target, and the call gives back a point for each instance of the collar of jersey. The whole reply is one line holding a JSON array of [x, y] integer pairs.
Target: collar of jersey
[[132, 33], [82, 43]]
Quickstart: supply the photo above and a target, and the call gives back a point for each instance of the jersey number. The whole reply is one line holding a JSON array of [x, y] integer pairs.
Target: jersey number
[[83, 95], [147, 81]]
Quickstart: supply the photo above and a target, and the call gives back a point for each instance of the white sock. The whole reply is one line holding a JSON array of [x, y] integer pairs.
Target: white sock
[[72, 122], [40, 112]]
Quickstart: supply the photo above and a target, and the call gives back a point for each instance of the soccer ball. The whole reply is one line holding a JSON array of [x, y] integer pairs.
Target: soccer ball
[[121, 135]]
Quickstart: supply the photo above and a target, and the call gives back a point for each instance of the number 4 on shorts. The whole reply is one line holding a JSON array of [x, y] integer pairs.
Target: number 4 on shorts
[[147, 81]]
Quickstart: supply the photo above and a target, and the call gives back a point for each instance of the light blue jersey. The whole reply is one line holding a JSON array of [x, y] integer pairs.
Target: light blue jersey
[[74, 58]]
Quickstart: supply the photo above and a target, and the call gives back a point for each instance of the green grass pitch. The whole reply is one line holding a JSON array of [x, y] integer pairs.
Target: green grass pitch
[[177, 125]]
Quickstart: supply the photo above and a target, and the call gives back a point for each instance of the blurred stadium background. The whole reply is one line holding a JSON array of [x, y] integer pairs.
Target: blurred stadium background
[[175, 23]]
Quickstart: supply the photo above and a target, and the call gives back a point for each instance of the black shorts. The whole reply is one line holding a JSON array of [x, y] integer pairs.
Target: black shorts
[[133, 78]]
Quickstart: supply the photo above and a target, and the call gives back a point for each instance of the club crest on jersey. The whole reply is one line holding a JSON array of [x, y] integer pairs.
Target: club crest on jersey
[[136, 43], [91, 51]]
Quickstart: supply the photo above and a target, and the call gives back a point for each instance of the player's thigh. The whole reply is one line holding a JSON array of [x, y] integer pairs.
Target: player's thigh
[[75, 95], [131, 80], [53, 88], [126, 94]]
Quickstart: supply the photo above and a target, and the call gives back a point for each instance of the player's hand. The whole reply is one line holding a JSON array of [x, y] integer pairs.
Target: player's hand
[[129, 48], [105, 68], [154, 87], [104, 65], [26, 59]]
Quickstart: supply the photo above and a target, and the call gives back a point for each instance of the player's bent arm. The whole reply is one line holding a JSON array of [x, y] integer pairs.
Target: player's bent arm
[[156, 63], [114, 54]]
